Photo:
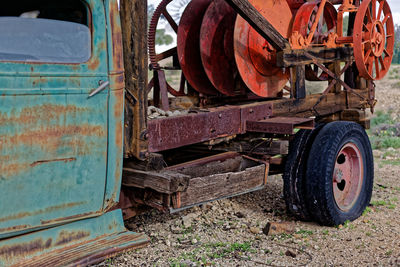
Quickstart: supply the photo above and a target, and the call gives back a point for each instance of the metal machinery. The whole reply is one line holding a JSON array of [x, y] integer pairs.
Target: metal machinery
[[242, 110]]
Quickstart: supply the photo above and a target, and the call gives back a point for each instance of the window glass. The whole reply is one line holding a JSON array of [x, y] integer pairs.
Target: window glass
[[45, 31]]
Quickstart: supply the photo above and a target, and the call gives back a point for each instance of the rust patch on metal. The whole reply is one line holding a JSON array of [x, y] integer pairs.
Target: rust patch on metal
[[41, 211], [25, 248], [45, 112], [14, 228], [116, 37], [66, 237], [94, 64], [81, 216], [45, 136], [52, 160]]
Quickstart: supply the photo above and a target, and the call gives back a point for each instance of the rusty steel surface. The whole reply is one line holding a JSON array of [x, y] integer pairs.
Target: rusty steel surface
[[189, 129], [193, 128], [279, 125], [54, 138], [255, 57], [216, 47], [189, 47], [75, 244], [374, 39], [61, 154]]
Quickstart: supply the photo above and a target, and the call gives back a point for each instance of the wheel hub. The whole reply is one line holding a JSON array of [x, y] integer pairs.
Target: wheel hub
[[348, 177], [378, 39]]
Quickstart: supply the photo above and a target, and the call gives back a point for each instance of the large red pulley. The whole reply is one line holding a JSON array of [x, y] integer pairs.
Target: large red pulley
[[216, 46], [255, 57], [189, 47]]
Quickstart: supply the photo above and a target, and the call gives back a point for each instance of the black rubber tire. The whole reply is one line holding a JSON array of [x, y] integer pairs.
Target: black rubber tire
[[295, 173], [320, 168]]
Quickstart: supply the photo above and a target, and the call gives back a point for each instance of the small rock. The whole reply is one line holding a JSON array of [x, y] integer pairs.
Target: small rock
[[188, 219], [175, 229], [255, 230], [316, 247], [297, 236], [240, 215], [168, 243], [290, 253], [194, 241], [275, 228]]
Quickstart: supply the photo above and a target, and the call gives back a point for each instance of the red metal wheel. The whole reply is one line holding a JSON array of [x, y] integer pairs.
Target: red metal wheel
[[189, 47], [348, 176], [216, 46], [156, 58], [255, 57], [373, 39], [302, 24]]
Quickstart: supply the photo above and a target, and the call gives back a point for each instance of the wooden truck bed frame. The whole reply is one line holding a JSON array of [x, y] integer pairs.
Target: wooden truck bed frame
[[147, 141]]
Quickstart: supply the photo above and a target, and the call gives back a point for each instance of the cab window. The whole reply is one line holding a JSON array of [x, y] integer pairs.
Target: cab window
[[45, 31]]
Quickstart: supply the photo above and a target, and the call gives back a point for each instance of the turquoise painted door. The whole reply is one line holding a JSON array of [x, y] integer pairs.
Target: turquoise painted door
[[53, 136]]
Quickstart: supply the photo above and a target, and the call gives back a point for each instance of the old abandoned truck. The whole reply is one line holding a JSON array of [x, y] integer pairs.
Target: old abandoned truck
[[87, 139]]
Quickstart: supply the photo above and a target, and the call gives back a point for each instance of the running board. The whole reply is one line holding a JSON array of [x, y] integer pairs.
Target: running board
[[80, 243]]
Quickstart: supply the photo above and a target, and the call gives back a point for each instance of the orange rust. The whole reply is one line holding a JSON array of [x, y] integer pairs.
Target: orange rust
[[116, 32], [66, 237], [25, 249], [52, 160], [42, 211], [69, 218], [50, 135], [14, 228], [94, 64], [119, 128], [44, 112]]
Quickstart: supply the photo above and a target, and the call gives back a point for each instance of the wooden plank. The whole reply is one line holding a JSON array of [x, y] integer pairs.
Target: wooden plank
[[259, 23], [289, 57], [203, 189], [166, 182], [330, 104], [298, 81]]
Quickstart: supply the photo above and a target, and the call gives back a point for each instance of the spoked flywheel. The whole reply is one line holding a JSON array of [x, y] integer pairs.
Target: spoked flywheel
[[373, 39]]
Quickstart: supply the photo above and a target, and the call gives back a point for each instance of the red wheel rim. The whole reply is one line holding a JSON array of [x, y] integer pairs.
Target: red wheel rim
[[373, 39], [348, 176]]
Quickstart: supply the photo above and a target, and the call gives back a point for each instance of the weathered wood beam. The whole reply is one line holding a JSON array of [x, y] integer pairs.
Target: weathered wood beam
[[289, 58], [259, 23], [134, 35]]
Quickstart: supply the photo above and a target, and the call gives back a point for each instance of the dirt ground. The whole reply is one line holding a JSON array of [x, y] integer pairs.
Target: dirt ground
[[229, 232]]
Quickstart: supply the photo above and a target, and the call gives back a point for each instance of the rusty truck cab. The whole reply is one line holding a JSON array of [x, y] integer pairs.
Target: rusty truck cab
[[60, 139]]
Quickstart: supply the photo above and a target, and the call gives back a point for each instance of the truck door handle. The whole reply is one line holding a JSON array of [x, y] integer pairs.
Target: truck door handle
[[102, 86]]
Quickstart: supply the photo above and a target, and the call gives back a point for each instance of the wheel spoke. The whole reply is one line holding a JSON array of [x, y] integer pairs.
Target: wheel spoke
[[370, 66], [367, 55], [382, 61], [373, 9], [170, 20], [369, 16], [386, 52], [366, 27], [381, 9], [385, 19], [377, 69]]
